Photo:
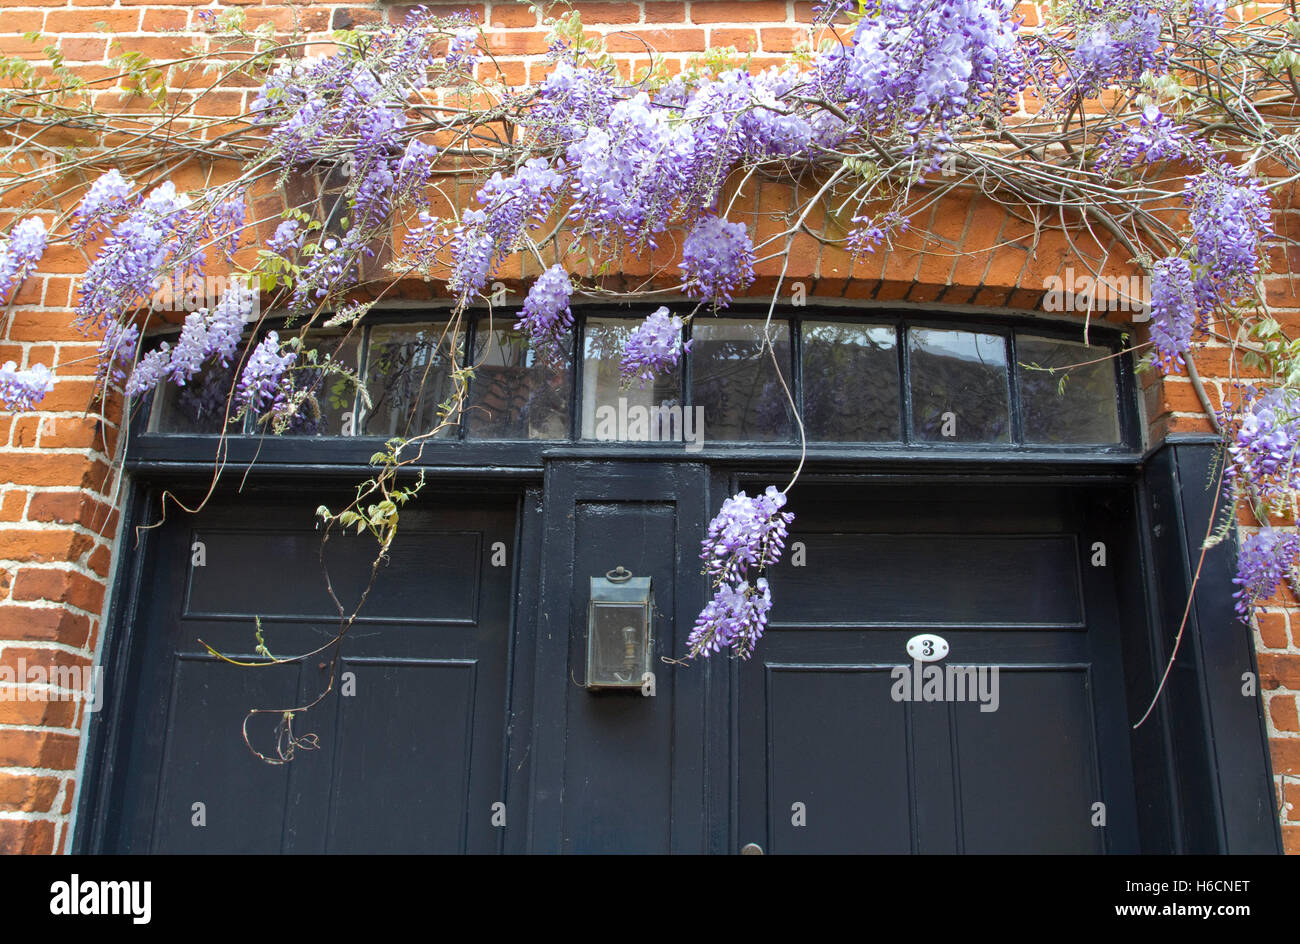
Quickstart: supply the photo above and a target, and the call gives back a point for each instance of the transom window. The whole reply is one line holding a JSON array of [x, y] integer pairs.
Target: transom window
[[900, 381]]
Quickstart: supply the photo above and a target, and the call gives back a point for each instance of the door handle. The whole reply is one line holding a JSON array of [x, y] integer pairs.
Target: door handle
[[751, 848]]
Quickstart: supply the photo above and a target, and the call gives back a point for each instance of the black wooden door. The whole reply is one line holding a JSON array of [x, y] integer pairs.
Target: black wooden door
[[841, 752], [409, 748]]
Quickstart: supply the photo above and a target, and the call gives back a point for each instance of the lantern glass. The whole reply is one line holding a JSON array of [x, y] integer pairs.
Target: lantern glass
[[619, 631]]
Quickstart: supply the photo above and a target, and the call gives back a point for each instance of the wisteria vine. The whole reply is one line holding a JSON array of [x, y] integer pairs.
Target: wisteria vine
[[1167, 125]]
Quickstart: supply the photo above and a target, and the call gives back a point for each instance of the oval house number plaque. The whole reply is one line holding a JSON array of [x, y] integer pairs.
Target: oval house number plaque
[[927, 647]]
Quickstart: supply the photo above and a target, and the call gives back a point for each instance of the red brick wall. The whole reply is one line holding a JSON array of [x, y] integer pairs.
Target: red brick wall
[[57, 489]]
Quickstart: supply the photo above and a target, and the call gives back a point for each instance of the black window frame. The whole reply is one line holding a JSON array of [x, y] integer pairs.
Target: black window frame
[[147, 447]]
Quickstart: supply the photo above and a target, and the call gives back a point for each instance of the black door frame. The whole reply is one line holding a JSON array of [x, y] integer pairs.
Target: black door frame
[[1201, 763]]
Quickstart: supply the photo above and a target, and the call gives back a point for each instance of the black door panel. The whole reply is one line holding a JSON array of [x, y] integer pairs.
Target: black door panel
[[834, 757], [406, 754]]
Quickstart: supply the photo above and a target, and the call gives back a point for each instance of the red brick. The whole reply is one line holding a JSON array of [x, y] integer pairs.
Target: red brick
[[1282, 709], [510, 16], [1279, 669], [616, 13], [744, 40], [100, 561], [49, 713], [58, 586], [723, 11], [27, 794], [59, 22], [46, 659], [783, 38], [155, 21], [11, 508], [57, 546], [42, 469], [33, 836], [1272, 629], [660, 40], [38, 748], [44, 624], [61, 507], [665, 12], [62, 432], [83, 49], [516, 44]]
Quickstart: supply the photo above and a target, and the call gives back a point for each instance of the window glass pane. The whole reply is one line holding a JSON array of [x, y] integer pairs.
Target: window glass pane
[[958, 381], [738, 387], [850, 382], [327, 398], [200, 405], [408, 376], [1078, 405], [605, 401], [516, 393]]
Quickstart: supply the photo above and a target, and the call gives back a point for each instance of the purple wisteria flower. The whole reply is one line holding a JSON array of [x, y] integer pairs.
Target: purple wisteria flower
[[1156, 138], [653, 348], [19, 254], [225, 223], [1264, 560], [1173, 312], [546, 315], [415, 168], [627, 174], [22, 389], [108, 197], [117, 352], [473, 253], [462, 50], [191, 348], [1115, 42], [910, 62], [870, 232], [150, 371], [263, 384], [717, 260], [225, 323], [511, 206], [747, 532], [1262, 454], [570, 100], [1206, 16], [133, 258], [1230, 215], [735, 618], [287, 237]]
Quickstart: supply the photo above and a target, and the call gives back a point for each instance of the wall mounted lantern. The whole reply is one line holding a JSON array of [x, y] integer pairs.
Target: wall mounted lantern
[[620, 630]]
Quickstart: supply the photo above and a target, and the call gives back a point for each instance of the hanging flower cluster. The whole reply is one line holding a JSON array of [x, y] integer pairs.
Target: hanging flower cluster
[[653, 348], [717, 260], [1264, 560], [1230, 216], [23, 389], [918, 67], [19, 255], [1115, 42], [1262, 455], [1173, 311], [545, 316], [263, 385], [747, 535], [205, 335]]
